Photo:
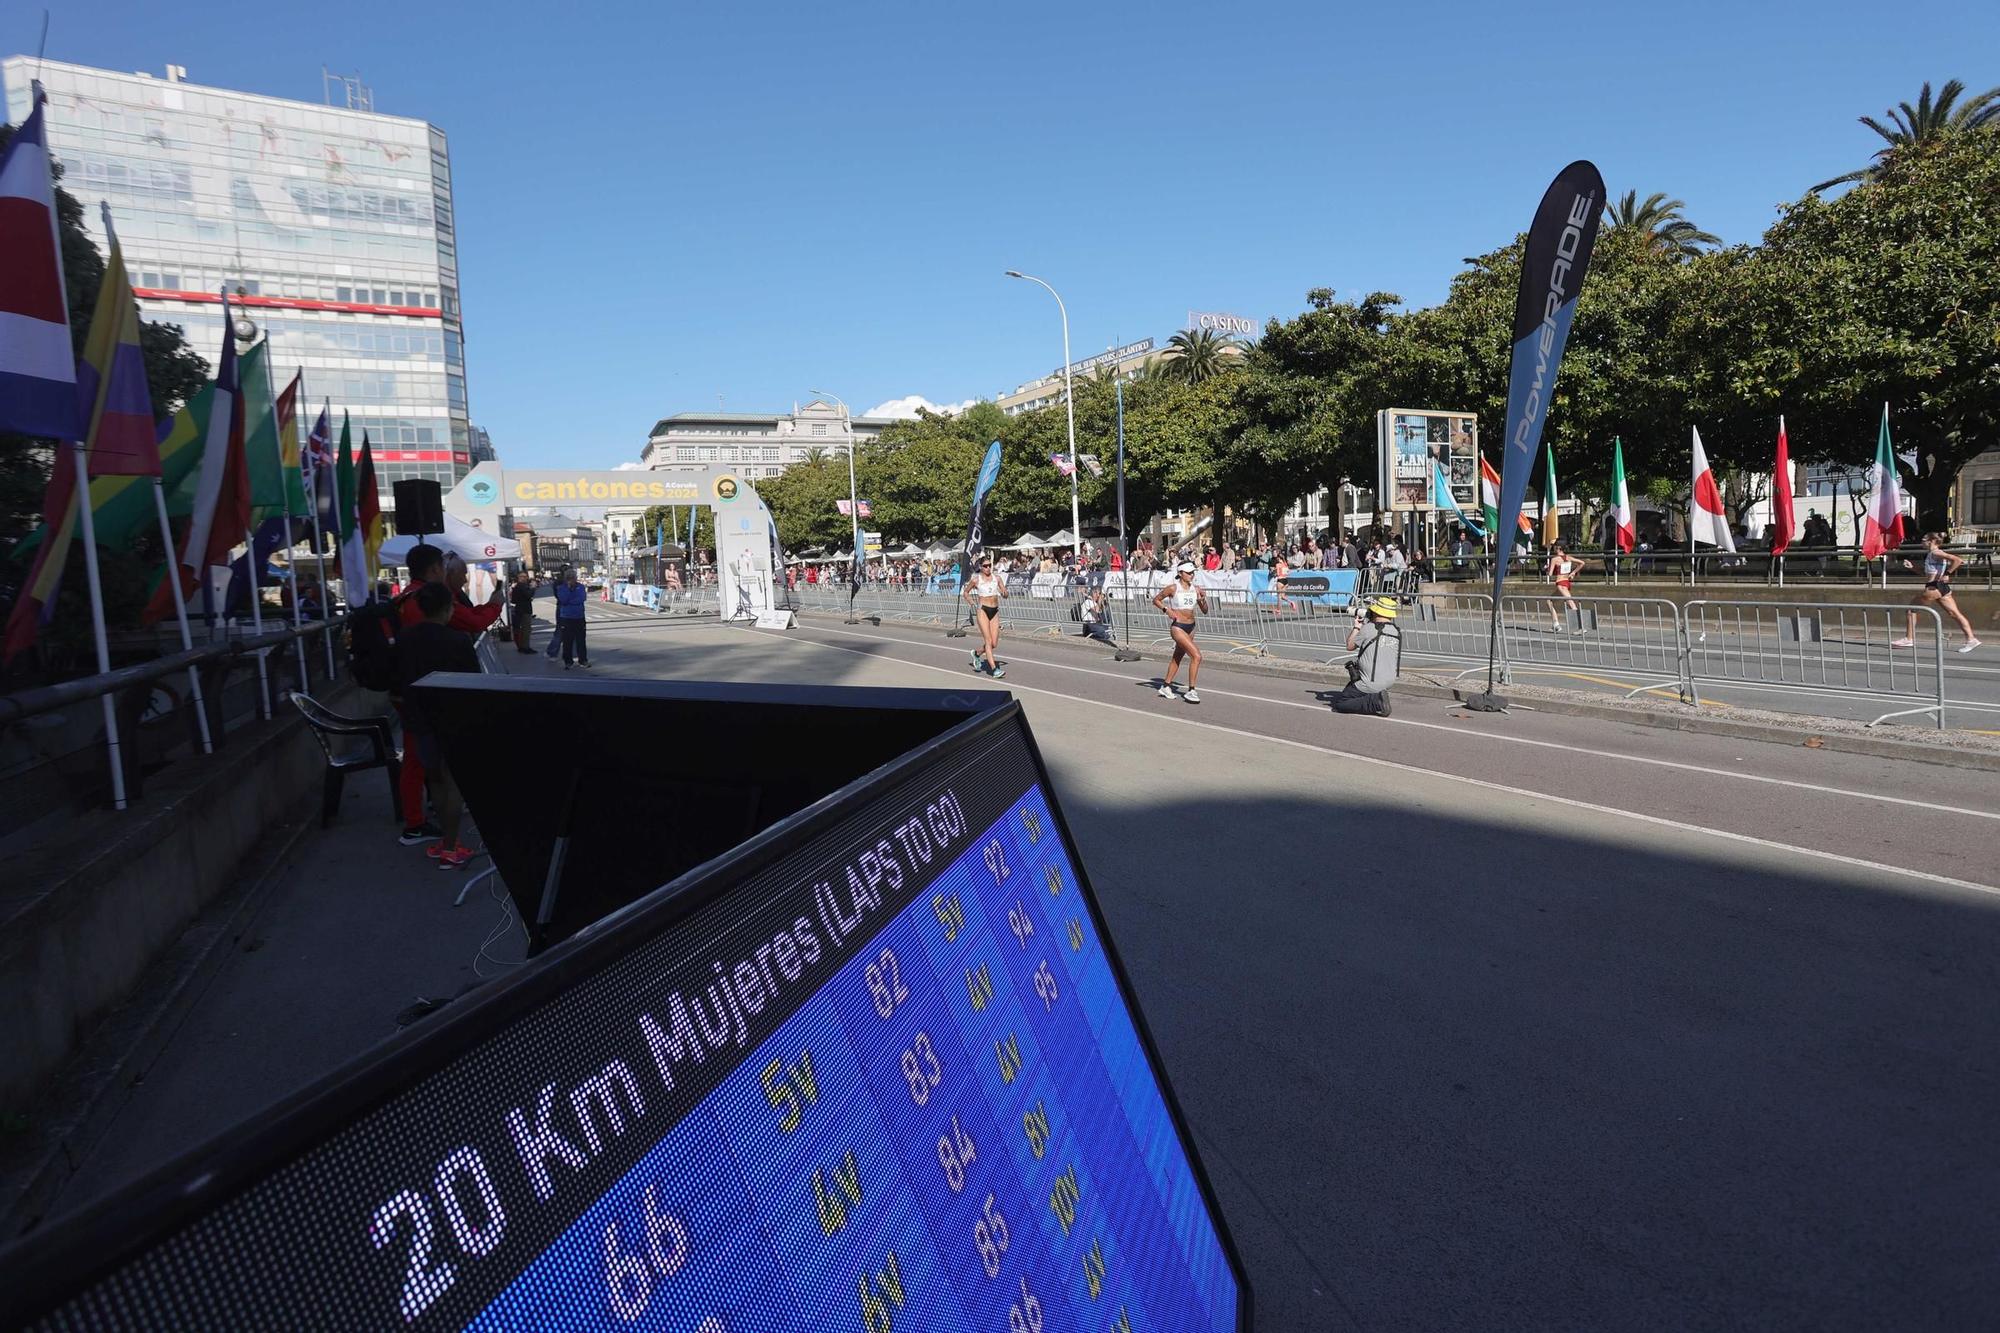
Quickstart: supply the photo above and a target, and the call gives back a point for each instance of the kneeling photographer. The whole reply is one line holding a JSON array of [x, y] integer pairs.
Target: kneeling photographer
[[1377, 645]]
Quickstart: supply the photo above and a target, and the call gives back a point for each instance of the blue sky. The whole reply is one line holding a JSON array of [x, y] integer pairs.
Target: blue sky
[[660, 204]]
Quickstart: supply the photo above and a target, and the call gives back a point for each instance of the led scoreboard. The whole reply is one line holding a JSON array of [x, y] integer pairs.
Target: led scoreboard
[[876, 1068]]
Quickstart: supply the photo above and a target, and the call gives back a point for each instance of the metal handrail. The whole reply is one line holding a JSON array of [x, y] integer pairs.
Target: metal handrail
[[47, 698]]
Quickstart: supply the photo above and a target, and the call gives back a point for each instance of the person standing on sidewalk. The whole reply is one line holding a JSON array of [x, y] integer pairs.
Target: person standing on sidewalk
[[521, 600], [432, 645], [571, 598], [427, 567]]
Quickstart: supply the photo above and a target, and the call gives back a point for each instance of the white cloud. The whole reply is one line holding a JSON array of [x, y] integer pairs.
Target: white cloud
[[906, 408], [630, 467]]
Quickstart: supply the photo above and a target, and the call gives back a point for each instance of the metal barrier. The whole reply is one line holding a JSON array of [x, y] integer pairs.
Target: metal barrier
[[1630, 636], [53, 744], [1827, 646], [1638, 644]]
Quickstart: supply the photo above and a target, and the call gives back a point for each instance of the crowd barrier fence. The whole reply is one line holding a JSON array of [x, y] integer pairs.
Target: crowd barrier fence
[[1638, 644]]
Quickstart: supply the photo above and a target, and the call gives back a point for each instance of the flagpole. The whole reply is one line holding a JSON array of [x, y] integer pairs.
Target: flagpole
[[256, 589], [97, 622], [291, 537], [1693, 486], [339, 545], [181, 614], [319, 540]]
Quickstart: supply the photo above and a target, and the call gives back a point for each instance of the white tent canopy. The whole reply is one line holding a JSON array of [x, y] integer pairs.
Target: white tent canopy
[[472, 544]]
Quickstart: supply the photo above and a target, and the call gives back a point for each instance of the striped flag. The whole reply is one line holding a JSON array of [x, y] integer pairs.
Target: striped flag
[[288, 445], [1883, 530], [119, 440], [37, 361], [1626, 530], [1489, 499], [219, 508], [1551, 500], [368, 511]]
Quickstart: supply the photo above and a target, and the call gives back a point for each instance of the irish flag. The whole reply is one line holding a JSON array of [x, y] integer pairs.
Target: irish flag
[[1621, 500], [1489, 499], [1883, 530], [1707, 520]]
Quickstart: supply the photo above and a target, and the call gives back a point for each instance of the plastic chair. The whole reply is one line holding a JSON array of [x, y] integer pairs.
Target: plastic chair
[[343, 758]]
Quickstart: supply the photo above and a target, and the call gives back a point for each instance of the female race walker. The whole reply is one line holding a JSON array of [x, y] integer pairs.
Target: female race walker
[[1180, 600], [1939, 566], [1561, 571], [985, 592]]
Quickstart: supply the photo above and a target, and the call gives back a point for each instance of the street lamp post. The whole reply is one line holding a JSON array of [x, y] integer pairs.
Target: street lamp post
[[1069, 403], [853, 496]]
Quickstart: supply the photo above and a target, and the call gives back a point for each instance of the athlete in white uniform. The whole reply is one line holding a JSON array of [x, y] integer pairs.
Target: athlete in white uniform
[[985, 591], [1180, 600]]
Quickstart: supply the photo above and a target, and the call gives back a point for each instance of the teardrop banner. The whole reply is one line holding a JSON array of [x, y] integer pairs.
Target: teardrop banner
[[1552, 268]]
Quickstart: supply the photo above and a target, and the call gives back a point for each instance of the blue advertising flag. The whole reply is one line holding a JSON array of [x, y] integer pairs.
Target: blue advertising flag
[[1553, 264], [1552, 269]]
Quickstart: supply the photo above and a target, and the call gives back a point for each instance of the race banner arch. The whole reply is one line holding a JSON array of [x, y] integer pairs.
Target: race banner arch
[[742, 521]]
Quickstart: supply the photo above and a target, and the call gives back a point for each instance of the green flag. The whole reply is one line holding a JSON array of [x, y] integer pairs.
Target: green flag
[[344, 482], [260, 435], [1551, 525]]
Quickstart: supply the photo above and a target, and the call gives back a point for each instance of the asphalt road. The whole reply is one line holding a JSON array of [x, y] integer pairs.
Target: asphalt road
[[1523, 1021], [1480, 1022]]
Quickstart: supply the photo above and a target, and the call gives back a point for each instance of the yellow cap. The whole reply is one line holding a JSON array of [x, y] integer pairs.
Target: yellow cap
[[1384, 607]]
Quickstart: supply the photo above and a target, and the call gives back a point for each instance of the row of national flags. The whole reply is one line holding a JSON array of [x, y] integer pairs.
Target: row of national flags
[[226, 465], [1708, 520]]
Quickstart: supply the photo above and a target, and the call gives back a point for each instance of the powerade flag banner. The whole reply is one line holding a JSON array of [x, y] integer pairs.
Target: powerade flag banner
[[975, 531], [1558, 253]]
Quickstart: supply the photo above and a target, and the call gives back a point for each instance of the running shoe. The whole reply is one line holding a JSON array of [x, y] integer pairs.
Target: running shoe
[[978, 662], [426, 832], [457, 858], [1192, 696], [998, 673], [1904, 643], [1970, 644], [1166, 691]]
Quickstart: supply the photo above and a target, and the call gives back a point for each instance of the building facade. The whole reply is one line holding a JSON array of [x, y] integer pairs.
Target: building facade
[[337, 225], [757, 444]]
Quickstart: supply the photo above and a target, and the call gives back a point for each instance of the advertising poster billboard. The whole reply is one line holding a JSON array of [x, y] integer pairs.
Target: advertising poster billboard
[[1409, 440]]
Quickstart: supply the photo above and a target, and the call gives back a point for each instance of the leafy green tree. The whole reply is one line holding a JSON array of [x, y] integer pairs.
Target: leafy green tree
[[1927, 120], [1660, 220], [1889, 293]]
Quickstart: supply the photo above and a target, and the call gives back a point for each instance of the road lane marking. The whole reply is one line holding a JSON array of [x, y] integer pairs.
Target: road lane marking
[[1466, 731]]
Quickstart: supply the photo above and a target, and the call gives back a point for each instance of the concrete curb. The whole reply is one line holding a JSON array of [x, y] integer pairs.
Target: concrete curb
[[1881, 747]]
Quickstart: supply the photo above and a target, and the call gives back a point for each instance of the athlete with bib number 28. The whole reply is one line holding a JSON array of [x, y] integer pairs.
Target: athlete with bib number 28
[[1180, 600]]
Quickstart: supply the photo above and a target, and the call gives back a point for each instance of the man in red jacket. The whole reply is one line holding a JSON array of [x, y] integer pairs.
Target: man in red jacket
[[427, 565]]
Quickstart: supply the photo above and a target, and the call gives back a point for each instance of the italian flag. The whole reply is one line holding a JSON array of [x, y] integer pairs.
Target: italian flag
[[1883, 530], [1621, 499], [1489, 499]]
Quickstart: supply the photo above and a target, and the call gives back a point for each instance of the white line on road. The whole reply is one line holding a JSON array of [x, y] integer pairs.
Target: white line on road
[[1490, 736], [1418, 770]]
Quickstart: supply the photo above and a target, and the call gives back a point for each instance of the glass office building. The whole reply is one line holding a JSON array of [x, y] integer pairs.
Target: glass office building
[[337, 224]]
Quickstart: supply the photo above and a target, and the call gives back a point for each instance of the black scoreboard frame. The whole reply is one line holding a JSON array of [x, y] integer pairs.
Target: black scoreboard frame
[[45, 1269]]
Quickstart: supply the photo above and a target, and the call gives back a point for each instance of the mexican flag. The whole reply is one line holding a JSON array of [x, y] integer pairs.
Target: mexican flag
[[1621, 499], [1883, 530], [1489, 499]]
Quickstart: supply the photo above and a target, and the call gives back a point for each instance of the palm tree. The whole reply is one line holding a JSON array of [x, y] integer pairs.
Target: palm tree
[[814, 455], [1925, 121], [1659, 219], [1194, 357]]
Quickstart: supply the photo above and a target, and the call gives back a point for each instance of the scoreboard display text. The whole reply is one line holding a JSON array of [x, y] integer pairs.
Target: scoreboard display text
[[889, 1078]]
